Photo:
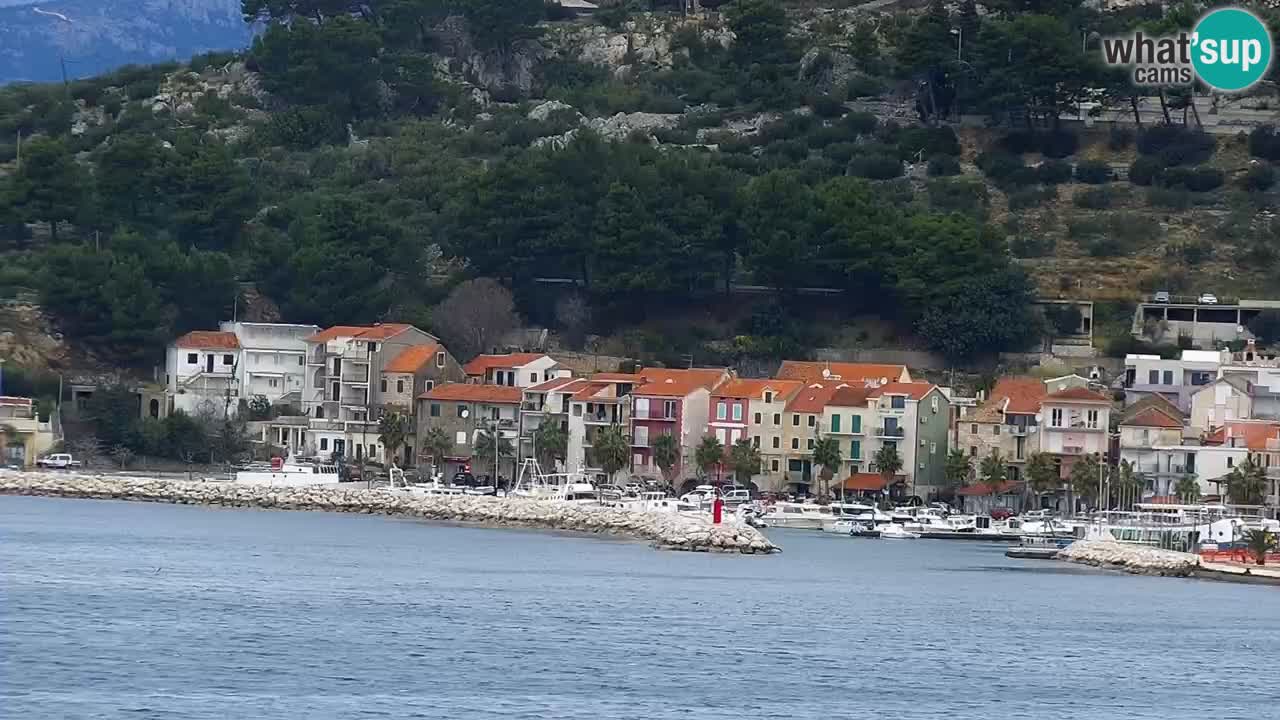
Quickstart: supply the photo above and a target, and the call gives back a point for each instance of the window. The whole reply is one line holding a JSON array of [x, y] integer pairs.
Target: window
[[1091, 420], [737, 412], [777, 442], [669, 408], [495, 414], [973, 429], [777, 419], [934, 402], [812, 421], [373, 348], [855, 450], [995, 429], [382, 384], [460, 438], [192, 359], [809, 444], [435, 409], [795, 421], [773, 465], [461, 409], [324, 443], [1168, 377], [228, 360], [1231, 462], [768, 397], [857, 424], [933, 448], [897, 402], [301, 361], [275, 359], [440, 359], [399, 386], [1055, 417], [430, 384], [642, 436], [755, 441], [795, 443], [642, 408], [273, 382], [973, 451], [835, 423], [721, 411], [336, 391], [1153, 377], [577, 409], [757, 418], [533, 378]]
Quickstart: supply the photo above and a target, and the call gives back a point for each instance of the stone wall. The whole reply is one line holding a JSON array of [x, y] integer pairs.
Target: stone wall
[[1135, 559], [673, 531]]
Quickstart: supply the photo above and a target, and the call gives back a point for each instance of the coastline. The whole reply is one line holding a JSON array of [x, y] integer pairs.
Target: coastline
[[666, 531], [1139, 560]]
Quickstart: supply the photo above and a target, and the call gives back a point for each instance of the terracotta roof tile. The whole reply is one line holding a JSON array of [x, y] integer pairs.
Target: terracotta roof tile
[[979, 489], [1078, 394], [813, 398], [483, 363], [471, 392], [411, 359], [914, 390], [208, 340], [618, 378], [670, 387], [812, 372], [552, 384], [589, 390], [709, 378], [1019, 394], [1152, 401], [755, 388], [1255, 434], [1152, 418], [381, 331], [864, 481], [852, 396]]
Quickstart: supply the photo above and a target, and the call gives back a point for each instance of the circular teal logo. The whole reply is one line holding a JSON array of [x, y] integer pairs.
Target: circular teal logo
[[1231, 49]]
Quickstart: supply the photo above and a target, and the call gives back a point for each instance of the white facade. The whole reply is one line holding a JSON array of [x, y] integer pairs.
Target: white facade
[[1217, 404], [1205, 462], [273, 360], [1071, 427], [1175, 380], [201, 376]]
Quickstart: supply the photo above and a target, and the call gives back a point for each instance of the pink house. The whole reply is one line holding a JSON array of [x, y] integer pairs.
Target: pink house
[[670, 402]]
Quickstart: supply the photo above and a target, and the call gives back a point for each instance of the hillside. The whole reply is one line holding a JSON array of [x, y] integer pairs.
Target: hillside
[[356, 169], [95, 36]]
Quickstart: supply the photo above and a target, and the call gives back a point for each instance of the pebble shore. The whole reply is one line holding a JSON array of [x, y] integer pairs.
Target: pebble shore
[[670, 531], [1135, 559]]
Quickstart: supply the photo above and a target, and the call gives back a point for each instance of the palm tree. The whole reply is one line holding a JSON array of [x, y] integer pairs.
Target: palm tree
[[550, 441], [888, 463], [1187, 489], [666, 455], [826, 452], [994, 472], [957, 469], [484, 451], [435, 444], [1042, 475], [1260, 543], [1247, 483], [744, 458], [1126, 487], [1084, 477], [710, 453], [611, 449], [393, 429]]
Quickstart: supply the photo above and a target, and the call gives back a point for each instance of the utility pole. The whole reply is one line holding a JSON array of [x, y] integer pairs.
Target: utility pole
[[66, 85]]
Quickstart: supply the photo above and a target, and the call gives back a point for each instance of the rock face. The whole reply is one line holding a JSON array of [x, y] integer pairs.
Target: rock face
[[665, 530], [1131, 558]]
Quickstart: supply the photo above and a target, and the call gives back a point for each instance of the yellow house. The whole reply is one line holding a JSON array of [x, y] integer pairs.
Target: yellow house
[[22, 436]]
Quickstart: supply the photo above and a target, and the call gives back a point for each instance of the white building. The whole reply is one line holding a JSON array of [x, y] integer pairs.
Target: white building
[[520, 370], [202, 373], [273, 359], [1224, 400], [1175, 380], [1075, 422]]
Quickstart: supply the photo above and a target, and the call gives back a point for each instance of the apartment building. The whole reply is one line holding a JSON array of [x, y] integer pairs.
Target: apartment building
[[745, 408], [1076, 422], [1221, 401], [1173, 379], [202, 373], [464, 411], [842, 372], [273, 359], [513, 369], [671, 402]]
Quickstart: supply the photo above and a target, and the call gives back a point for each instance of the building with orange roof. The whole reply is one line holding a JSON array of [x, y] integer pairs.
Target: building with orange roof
[[513, 369], [1075, 421], [465, 412], [202, 374], [415, 370], [671, 402], [1150, 423], [753, 408], [842, 372]]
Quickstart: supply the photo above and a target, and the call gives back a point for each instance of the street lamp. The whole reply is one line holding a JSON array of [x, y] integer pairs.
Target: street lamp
[[959, 33]]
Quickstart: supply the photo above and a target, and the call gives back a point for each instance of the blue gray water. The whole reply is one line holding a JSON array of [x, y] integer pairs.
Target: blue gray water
[[111, 609]]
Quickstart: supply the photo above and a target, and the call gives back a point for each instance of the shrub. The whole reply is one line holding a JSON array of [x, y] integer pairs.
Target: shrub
[[1022, 177], [841, 152], [729, 142], [861, 123], [793, 150], [864, 86], [1260, 176], [998, 165], [875, 167], [1018, 142], [1033, 246], [1144, 171], [1093, 199], [1032, 197], [1198, 179], [827, 106], [676, 136], [943, 165], [927, 142], [958, 195], [1264, 143], [1167, 198], [1058, 143], [1196, 251], [1080, 229], [1053, 172], [1176, 145], [1093, 172], [1120, 138], [1103, 246], [824, 136]]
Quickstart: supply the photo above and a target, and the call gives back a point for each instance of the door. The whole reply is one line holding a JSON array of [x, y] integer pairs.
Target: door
[[208, 363]]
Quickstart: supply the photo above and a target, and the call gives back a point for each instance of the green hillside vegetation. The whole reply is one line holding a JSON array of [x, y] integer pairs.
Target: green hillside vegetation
[[353, 182]]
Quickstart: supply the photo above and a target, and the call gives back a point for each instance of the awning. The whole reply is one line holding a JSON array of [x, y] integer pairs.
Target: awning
[[983, 489], [864, 481]]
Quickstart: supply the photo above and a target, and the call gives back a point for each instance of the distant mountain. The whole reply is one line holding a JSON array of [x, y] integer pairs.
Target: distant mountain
[[94, 36]]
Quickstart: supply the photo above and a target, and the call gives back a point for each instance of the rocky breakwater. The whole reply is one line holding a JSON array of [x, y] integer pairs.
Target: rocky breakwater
[[665, 530], [1135, 559]]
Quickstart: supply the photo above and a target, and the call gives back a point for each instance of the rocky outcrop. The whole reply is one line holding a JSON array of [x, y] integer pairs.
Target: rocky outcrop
[[665, 530], [618, 127], [1135, 559]]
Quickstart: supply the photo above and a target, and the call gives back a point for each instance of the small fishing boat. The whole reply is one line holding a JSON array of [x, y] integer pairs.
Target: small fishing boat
[[894, 531]]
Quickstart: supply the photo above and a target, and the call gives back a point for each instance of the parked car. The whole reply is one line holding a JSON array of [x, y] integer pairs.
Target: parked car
[[1208, 299], [1162, 296], [1002, 513], [57, 461]]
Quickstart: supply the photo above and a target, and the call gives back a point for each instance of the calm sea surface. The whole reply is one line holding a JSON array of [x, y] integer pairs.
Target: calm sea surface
[[111, 610]]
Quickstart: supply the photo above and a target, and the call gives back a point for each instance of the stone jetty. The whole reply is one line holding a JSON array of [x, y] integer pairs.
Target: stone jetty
[[672, 531], [1136, 559]]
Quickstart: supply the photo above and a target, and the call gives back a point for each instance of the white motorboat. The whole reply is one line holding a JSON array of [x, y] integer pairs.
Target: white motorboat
[[808, 516], [894, 531], [289, 473], [845, 515], [650, 502]]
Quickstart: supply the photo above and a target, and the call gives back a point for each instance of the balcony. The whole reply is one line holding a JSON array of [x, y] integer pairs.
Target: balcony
[[640, 441], [361, 426], [532, 406], [889, 432], [600, 418], [1019, 430], [317, 356], [355, 378]]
